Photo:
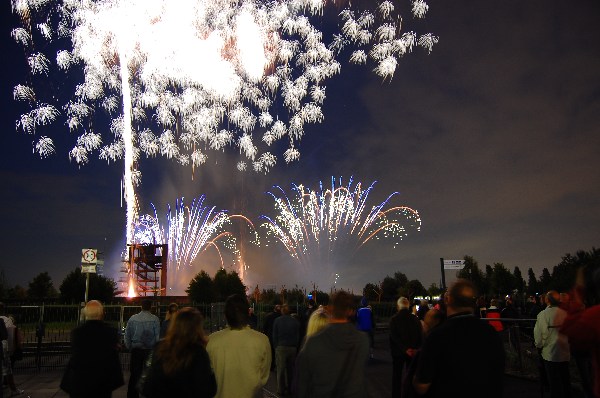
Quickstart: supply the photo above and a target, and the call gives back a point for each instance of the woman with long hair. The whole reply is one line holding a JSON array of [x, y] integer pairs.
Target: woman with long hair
[[317, 321], [179, 365]]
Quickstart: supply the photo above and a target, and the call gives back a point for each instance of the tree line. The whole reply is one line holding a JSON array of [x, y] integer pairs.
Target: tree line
[[491, 281]]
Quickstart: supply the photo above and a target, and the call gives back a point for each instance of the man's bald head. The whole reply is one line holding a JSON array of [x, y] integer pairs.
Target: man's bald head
[[93, 311]]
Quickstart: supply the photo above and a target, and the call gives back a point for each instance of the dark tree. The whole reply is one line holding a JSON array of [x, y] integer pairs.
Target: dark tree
[[17, 292], [487, 280], [400, 278], [220, 285], [3, 285], [502, 280], [533, 285], [563, 275], [434, 290], [372, 292], [295, 295], [545, 280], [41, 287], [472, 272], [413, 288], [235, 284], [269, 296], [389, 287], [201, 288], [519, 282], [72, 288], [227, 284]]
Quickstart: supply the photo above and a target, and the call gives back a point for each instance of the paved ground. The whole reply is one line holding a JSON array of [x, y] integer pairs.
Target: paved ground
[[45, 384]]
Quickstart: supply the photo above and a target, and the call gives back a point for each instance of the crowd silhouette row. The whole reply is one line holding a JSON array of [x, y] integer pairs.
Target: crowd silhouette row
[[450, 348]]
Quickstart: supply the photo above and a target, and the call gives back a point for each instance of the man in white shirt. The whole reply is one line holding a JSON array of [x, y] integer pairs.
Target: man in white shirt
[[554, 345], [239, 355]]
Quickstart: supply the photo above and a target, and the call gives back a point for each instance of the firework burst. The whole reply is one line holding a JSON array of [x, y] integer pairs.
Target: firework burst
[[190, 231], [321, 228], [206, 72], [181, 80]]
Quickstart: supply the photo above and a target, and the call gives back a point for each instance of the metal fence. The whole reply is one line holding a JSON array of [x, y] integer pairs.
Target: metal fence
[[522, 358], [47, 328]]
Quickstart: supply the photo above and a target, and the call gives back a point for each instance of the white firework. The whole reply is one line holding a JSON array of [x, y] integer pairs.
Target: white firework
[[419, 8], [79, 155], [197, 74], [358, 57], [291, 155], [45, 114], [427, 41], [44, 147], [323, 228], [39, 64], [21, 36], [385, 8], [89, 141], [23, 93]]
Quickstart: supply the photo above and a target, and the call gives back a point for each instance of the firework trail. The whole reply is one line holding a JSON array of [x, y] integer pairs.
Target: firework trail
[[321, 229], [179, 80]]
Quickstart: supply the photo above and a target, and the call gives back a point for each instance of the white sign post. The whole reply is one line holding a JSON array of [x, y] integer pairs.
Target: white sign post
[[89, 259]]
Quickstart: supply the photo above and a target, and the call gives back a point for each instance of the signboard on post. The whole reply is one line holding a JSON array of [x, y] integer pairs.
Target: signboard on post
[[88, 269], [89, 256], [89, 259], [454, 264], [449, 264]]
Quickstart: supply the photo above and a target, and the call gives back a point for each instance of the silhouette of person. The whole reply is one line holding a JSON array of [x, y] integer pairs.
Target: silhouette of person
[[94, 368], [141, 334], [332, 362], [463, 357], [240, 356], [180, 366]]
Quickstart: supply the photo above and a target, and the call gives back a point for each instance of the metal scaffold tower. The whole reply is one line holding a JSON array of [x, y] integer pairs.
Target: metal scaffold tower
[[147, 268]]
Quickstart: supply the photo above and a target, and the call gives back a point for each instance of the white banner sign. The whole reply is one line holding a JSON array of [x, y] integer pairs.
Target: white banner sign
[[454, 264], [88, 269]]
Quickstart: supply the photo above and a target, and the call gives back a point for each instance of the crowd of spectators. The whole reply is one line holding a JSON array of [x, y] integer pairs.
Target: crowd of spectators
[[454, 346]]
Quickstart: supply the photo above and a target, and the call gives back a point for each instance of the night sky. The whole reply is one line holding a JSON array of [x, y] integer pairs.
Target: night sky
[[493, 138]]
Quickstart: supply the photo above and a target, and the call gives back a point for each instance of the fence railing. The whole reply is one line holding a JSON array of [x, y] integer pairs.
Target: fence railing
[[522, 358], [46, 328]]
